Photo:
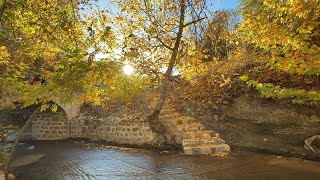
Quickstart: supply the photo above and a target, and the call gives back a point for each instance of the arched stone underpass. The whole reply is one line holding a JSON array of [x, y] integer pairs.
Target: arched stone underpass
[[72, 110], [92, 123], [50, 125]]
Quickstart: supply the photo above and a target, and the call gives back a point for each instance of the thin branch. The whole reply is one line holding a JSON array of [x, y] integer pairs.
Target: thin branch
[[193, 22], [164, 44]]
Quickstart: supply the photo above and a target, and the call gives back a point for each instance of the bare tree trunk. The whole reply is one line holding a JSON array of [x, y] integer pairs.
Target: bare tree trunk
[[153, 118], [24, 128]]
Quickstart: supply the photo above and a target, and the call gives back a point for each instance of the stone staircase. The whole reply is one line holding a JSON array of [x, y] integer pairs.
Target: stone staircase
[[190, 133]]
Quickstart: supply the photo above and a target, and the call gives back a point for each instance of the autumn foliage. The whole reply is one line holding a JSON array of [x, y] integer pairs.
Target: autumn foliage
[[273, 48]]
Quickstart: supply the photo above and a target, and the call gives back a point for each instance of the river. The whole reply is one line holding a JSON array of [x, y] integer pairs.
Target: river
[[68, 160]]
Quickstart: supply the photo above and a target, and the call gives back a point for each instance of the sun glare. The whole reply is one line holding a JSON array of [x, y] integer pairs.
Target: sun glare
[[128, 69]]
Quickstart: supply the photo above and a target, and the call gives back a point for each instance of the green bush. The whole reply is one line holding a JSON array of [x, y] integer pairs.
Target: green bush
[[3, 155]]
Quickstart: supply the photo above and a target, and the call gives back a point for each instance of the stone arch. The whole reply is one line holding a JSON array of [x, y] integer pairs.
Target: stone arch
[[72, 110], [50, 125]]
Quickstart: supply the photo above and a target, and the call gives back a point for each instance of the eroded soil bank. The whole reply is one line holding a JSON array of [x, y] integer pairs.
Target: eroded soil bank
[[266, 126]]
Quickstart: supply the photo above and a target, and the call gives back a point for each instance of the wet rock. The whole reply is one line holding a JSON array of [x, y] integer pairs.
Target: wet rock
[[31, 147], [221, 148], [26, 137], [6, 146], [11, 137], [162, 152]]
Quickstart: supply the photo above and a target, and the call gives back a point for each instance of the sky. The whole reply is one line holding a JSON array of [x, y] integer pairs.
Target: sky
[[224, 4], [215, 4]]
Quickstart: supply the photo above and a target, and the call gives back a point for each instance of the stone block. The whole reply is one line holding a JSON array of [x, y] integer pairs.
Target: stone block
[[205, 150], [188, 151], [221, 148]]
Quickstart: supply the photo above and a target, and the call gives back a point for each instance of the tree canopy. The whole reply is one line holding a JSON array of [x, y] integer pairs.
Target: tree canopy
[[52, 40], [287, 34], [61, 41]]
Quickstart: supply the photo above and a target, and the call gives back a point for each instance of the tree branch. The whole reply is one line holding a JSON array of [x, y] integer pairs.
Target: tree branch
[[164, 44], [195, 21]]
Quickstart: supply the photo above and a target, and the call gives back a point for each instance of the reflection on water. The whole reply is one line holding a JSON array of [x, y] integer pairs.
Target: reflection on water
[[73, 161]]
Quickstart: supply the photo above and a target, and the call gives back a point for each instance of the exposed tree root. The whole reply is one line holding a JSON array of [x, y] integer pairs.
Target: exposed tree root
[[308, 144]]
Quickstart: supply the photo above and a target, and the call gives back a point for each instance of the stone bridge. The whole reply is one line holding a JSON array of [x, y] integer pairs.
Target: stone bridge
[[72, 110], [121, 127], [81, 121]]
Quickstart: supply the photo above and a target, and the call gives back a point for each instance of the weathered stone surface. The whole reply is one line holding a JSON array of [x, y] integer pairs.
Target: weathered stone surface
[[92, 126], [27, 136], [11, 137], [190, 133], [206, 150], [221, 148]]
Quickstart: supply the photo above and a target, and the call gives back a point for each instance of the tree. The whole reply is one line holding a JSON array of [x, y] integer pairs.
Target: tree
[[219, 39], [38, 37], [51, 39], [288, 34], [155, 39]]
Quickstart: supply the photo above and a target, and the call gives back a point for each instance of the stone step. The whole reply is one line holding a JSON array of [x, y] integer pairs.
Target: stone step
[[177, 117], [198, 134], [202, 142], [206, 150], [184, 121], [176, 122], [195, 126], [169, 115], [167, 111]]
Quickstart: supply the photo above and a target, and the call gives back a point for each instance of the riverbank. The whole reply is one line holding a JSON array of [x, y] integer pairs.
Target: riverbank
[[266, 126]]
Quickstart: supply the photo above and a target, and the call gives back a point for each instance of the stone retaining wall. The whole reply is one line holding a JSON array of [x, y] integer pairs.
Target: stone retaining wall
[[50, 126], [113, 127]]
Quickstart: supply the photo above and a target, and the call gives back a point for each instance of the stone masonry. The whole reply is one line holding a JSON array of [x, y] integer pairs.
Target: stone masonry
[[125, 127], [111, 128], [189, 132], [50, 126], [56, 126]]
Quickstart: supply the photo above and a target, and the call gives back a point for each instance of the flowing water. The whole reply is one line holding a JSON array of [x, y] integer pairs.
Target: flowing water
[[65, 160]]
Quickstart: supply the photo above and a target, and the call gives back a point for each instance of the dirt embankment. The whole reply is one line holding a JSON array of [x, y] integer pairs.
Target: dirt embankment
[[267, 127]]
